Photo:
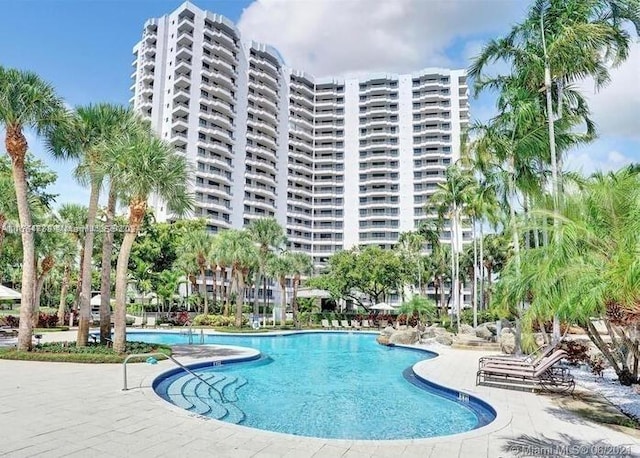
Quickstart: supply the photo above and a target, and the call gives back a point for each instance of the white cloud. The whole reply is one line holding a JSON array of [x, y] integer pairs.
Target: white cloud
[[332, 37], [616, 107], [588, 162]]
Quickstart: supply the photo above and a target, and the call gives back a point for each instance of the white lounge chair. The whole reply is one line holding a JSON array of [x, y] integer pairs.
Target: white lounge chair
[[365, 324], [335, 324], [325, 324], [137, 322], [345, 324], [356, 325], [151, 322]]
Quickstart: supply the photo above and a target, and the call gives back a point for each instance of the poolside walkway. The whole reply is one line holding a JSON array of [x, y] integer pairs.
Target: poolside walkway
[[62, 409]]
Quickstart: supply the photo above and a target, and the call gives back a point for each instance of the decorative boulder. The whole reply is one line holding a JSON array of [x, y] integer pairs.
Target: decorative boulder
[[428, 333], [383, 339], [466, 329], [387, 331], [493, 329], [444, 339], [404, 337], [439, 331], [483, 332], [507, 341]]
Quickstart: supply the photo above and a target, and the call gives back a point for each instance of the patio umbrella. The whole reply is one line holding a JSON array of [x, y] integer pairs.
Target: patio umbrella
[[383, 306], [9, 294]]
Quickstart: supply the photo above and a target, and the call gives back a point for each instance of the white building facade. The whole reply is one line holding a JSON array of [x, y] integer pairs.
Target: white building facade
[[338, 162]]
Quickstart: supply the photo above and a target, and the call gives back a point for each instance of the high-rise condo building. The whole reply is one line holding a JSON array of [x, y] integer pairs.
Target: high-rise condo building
[[338, 162]]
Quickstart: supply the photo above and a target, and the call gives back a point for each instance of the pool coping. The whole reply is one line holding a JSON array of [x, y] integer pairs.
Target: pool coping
[[501, 421]]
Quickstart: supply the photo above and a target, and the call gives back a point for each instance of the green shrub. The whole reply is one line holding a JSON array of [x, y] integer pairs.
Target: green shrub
[[92, 353], [213, 320]]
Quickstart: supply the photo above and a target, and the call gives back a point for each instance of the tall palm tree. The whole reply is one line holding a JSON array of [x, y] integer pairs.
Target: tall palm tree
[[450, 201], [410, 245], [269, 236], [86, 139], [198, 247], [167, 178], [280, 267], [239, 252], [301, 265], [72, 216], [559, 43], [26, 102]]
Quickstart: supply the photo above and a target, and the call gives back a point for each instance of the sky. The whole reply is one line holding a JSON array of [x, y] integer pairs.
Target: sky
[[83, 47]]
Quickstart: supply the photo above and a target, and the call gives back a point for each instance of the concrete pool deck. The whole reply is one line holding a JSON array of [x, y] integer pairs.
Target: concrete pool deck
[[65, 409]]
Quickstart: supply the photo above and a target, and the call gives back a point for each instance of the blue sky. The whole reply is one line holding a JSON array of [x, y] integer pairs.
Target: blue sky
[[84, 49]]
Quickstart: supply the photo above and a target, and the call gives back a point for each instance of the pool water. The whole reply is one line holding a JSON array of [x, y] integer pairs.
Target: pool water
[[329, 385]]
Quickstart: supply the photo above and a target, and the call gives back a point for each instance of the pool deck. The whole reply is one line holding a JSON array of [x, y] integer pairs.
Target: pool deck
[[65, 409]]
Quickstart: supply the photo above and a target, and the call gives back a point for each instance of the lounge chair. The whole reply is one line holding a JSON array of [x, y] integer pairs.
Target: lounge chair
[[356, 325], [545, 375], [335, 324], [325, 324], [529, 360], [365, 324], [345, 324], [521, 365], [137, 322], [151, 322], [382, 324]]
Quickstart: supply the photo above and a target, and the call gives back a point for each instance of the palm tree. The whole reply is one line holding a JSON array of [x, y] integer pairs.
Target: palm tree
[[239, 252], [450, 201], [68, 254], [280, 267], [424, 308], [589, 268], [198, 247], [72, 216], [86, 139], [168, 281], [301, 265], [410, 246], [26, 102], [269, 236], [559, 43], [167, 178]]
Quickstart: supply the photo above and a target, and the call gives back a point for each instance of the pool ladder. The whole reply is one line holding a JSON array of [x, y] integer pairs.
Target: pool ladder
[[178, 363], [190, 333]]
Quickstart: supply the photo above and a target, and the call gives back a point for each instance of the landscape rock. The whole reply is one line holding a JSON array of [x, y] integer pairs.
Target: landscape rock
[[466, 329], [491, 327], [483, 332], [507, 341], [444, 339], [440, 331], [383, 339], [404, 337], [387, 331]]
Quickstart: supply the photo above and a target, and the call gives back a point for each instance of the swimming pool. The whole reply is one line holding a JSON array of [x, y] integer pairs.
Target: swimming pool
[[329, 385]]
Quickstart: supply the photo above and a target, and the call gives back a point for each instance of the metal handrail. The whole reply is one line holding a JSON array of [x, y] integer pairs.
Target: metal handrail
[[178, 363]]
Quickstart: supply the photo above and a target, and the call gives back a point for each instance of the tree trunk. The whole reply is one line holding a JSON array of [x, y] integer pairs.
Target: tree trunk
[[66, 276], [203, 276], [256, 302], [227, 292], [592, 332], [283, 301], [475, 277], [239, 297], [264, 300], [16, 146], [136, 210], [489, 283], [294, 301], [105, 273], [85, 272], [481, 265]]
